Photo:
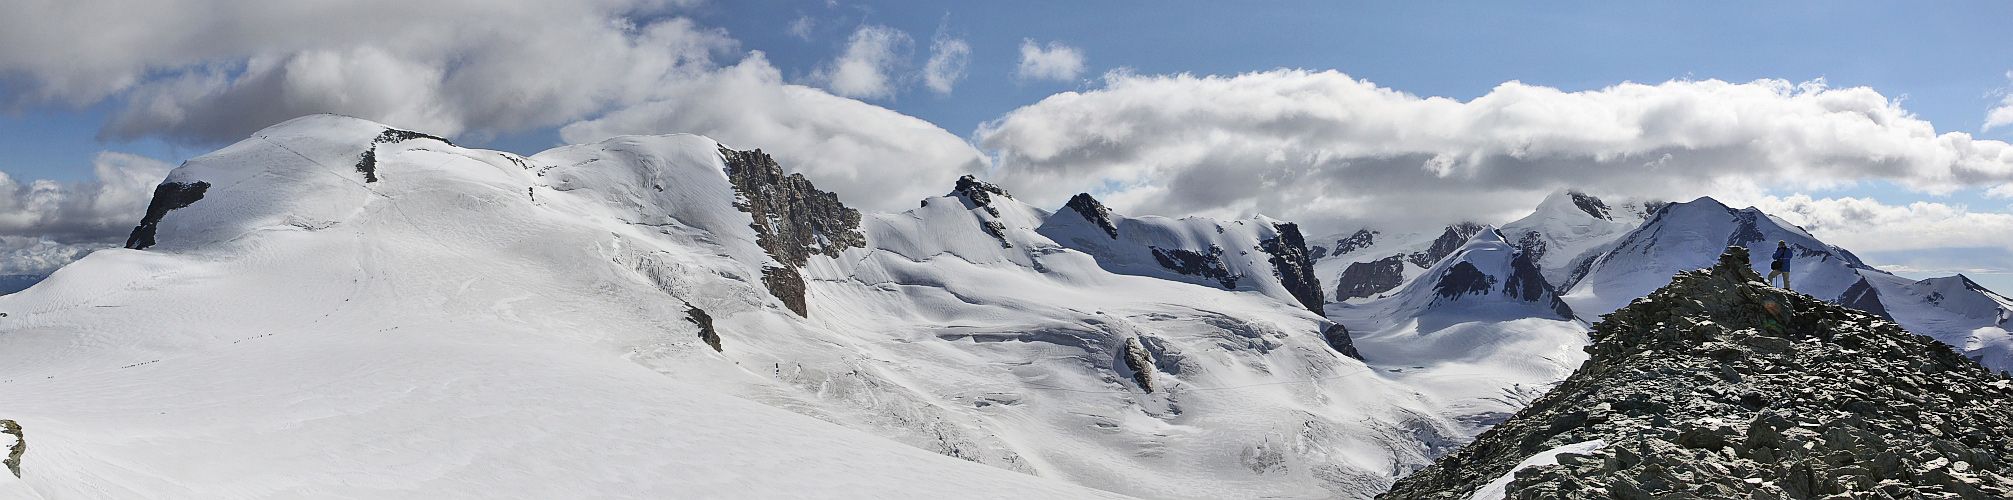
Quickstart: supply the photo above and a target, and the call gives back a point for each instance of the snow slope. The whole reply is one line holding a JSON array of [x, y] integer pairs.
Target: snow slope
[[350, 311], [299, 332]]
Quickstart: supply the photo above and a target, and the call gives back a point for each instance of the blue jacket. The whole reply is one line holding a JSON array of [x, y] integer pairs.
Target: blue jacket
[[1782, 257]]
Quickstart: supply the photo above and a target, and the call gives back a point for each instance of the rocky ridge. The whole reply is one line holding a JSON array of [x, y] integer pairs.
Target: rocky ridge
[[793, 220], [1293, 266], [1718, 386]]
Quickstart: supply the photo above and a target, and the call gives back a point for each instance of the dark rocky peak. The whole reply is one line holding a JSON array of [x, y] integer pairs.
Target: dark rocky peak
[[1449, 241], [1361, 240], [1718, 386], [167, 196], [979, 193], [1094, 212], [1367, 279], [1293, 267], [793, 220], [1589, 204], [1864, 297]]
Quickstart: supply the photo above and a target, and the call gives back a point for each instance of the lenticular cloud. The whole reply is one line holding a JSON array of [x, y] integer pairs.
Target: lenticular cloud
[[1325, 147]]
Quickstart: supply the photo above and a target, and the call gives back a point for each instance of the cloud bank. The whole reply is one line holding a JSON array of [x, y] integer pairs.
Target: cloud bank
[[213, 71], [100, 210], [1336, 152], [873, 157]]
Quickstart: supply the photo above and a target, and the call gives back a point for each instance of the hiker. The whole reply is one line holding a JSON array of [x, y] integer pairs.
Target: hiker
[[1779, 266]]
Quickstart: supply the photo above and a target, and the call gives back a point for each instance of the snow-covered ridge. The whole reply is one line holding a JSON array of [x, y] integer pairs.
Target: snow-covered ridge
[[469, 315]]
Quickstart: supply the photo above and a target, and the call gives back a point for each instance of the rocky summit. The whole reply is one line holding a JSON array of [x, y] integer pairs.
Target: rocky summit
[[1719, 386]]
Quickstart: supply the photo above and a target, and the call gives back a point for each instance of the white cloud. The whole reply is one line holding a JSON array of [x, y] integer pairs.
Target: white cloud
[[1055, 62], [216, 70], [104, 209], [866, 69], [948, 57], [874, 158], [2003, 113], [1863, 224], [801, 28], [1335, 152]]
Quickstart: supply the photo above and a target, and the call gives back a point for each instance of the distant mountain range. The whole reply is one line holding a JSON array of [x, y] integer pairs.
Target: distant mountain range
[[338, 306]]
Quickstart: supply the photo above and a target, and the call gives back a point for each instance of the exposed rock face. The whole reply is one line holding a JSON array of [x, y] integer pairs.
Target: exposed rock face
[[1367, 279], [1338, 339], [1361, 240], [1449, 241], [1532, 244], [1717, 386], [1094, 212], [1316, 252], [368, 164], [793, 220], [1208, 265], [705, 322], [15, 451], [979, 194], [1862, 296], [1591, 205], [1462, 279], [1140, 362], [1526, 283], [167, 196], [1293, 267]]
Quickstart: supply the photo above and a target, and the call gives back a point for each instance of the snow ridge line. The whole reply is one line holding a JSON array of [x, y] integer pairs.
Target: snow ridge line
[[1365, 369]]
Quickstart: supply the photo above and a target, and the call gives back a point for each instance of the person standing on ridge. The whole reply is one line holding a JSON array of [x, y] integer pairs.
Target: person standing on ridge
[[1779, 265]]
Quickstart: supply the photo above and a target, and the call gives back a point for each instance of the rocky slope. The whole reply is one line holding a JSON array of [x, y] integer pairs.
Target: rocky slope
[[1717, 386]]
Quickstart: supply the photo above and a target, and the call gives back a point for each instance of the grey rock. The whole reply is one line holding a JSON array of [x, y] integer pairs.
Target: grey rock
[[793, 220], [1449, 241], [1367, 279]]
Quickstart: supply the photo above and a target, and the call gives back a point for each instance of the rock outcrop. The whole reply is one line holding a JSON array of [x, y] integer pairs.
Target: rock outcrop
[[15, 450], [1208, 265], [1589, 204], [1293, 267], [793, 220], [367, 165], [979, 194], [167, 196], [1094, 212], [1718, 386], [1367, 279], [1449, 241], [1141, 363], [704, 321], [1338, 339]]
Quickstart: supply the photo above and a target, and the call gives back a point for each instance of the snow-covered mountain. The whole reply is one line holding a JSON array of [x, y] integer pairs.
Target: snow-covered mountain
[[336, 307], [1481, 328], [1570, 229], [1686, 236], [1260, 254]]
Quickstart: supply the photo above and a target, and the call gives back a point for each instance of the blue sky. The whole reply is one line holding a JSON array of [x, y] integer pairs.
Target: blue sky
[[178, 88]]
